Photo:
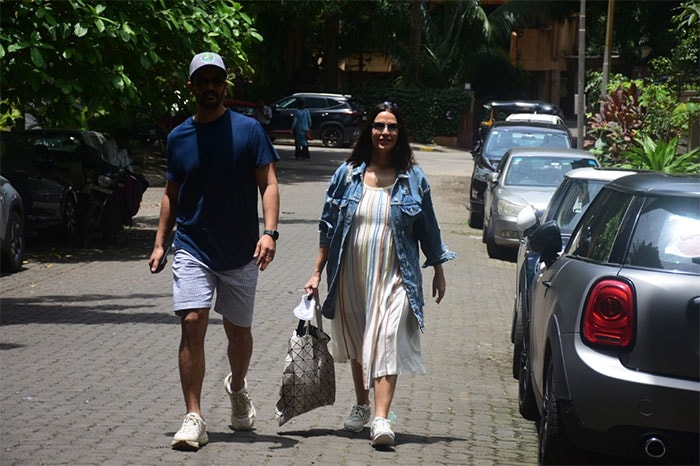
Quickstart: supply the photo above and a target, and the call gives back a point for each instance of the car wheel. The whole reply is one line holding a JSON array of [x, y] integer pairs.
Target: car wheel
[[555, 447], [527, 405], [495, 251], [517, 335], [70, 218], [13, 254], [332, 136], [476, 220]]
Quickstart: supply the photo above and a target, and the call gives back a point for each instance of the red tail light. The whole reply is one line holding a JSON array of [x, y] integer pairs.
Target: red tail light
[[608, 318]]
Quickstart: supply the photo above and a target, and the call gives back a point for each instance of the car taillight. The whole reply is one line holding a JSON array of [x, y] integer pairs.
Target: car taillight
[[608, 317]]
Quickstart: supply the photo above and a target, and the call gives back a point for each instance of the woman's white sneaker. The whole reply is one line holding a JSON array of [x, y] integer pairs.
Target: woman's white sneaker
[[381, 433]]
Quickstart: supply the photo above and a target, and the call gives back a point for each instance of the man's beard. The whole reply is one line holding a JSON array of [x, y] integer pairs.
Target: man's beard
[[206, 103]]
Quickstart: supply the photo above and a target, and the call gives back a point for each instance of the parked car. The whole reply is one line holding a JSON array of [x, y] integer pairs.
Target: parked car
[[568, 203], [612, 360], [501, 137], [71, 151], [244, 107], [65, 178], [11, 227], [336, 119], [499, 110], [524, 177], [49, 196]]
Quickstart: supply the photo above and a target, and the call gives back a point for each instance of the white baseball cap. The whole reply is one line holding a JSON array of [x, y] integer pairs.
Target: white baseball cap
[[206, 59]]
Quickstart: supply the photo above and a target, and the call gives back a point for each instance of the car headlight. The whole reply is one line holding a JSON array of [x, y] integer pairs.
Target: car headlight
[[508, 208], [482, 175]]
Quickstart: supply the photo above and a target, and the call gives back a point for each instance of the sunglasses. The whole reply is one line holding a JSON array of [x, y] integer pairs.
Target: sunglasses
[[216, 81], [392, 127]]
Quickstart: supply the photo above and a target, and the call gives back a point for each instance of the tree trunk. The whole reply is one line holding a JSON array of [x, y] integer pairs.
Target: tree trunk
[[330, 56], [416, 42]]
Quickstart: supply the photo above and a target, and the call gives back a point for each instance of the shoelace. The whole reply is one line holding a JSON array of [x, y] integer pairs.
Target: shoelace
[[357, 412], [242, 402], [190, 424]]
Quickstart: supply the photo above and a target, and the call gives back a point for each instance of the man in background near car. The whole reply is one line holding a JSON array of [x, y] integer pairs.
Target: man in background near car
[[211, 193], [263, 113], [301, 122]]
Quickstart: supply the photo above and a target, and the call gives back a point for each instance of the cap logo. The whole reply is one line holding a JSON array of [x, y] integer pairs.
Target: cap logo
[[208, 57]]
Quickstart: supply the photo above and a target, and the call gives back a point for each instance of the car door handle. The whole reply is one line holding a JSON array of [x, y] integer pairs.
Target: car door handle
[[547, 283]]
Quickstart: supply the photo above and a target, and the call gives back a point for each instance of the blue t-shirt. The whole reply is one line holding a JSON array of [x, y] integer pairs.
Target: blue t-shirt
[[217, 211]]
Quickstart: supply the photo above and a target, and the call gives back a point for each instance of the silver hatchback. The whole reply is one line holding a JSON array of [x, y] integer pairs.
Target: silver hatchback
[[612, 348]]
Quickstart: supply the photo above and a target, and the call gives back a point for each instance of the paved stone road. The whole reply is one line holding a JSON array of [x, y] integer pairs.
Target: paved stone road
[[88, 348]]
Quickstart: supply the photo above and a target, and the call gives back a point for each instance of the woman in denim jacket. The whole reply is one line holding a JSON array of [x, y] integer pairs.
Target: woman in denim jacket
[[378, 212]]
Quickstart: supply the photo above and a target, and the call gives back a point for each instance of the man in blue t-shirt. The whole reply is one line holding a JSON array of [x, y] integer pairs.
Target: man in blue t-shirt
[[218, 161]]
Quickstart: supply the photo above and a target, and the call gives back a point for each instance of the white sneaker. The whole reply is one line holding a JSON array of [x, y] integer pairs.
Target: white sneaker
[[242, 409], [359, 416], [381, 433], [192, 435]]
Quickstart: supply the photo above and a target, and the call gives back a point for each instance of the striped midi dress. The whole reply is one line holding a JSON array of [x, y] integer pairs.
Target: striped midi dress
[[374, 323]]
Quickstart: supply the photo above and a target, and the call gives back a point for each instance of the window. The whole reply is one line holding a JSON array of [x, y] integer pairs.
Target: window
[[315, 102], [667, 235], [575, 202], [595, 236]]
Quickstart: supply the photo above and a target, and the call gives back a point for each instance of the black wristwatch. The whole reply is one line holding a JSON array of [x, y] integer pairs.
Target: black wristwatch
[[274, 233]]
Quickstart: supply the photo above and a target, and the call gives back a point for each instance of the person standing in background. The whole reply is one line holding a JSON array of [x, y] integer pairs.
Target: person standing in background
[[301, 122]]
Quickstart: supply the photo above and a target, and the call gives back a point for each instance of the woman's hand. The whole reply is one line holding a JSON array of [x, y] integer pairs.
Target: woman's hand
[[439, 283], [311, 287]]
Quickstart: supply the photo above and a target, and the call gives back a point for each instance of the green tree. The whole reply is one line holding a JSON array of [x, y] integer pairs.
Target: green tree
[[77, 62]]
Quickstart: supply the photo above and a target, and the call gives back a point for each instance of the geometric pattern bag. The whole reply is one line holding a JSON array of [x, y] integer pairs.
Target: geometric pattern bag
[[308, 378]]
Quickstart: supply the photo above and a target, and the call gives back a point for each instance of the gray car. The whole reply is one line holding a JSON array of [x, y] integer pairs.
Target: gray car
[[567, 205], [11, 227], [612, 337], [524, 177]]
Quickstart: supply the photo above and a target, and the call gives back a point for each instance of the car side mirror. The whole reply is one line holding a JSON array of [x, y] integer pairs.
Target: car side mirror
[[493, 177], [546, 241], [527, 220]]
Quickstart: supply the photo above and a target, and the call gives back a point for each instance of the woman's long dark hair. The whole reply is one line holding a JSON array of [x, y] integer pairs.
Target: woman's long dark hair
[[401, 155]]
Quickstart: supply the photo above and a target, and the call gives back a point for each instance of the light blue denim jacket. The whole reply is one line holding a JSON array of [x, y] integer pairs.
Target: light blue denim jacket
[[413, 221]]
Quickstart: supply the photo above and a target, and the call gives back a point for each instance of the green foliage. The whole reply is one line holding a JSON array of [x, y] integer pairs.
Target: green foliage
[[594, 81], [637, 110], [73, 63], [427, 112], [612, 131], [661, 156], [665, 117]]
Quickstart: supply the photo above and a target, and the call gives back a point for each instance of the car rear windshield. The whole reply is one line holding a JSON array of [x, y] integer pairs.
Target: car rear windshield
[[667, 235], [542, 171], [500, 141]]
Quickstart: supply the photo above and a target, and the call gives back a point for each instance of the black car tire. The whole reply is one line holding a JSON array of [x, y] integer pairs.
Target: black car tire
[[13, 249], [517, 334], [527, 405], [495, 251], [69, 218], [332, 136], [476, 220], [555, 447]]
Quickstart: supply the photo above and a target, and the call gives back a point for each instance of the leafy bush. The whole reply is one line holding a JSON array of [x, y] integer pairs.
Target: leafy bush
[[612, 131], [661, 156]]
